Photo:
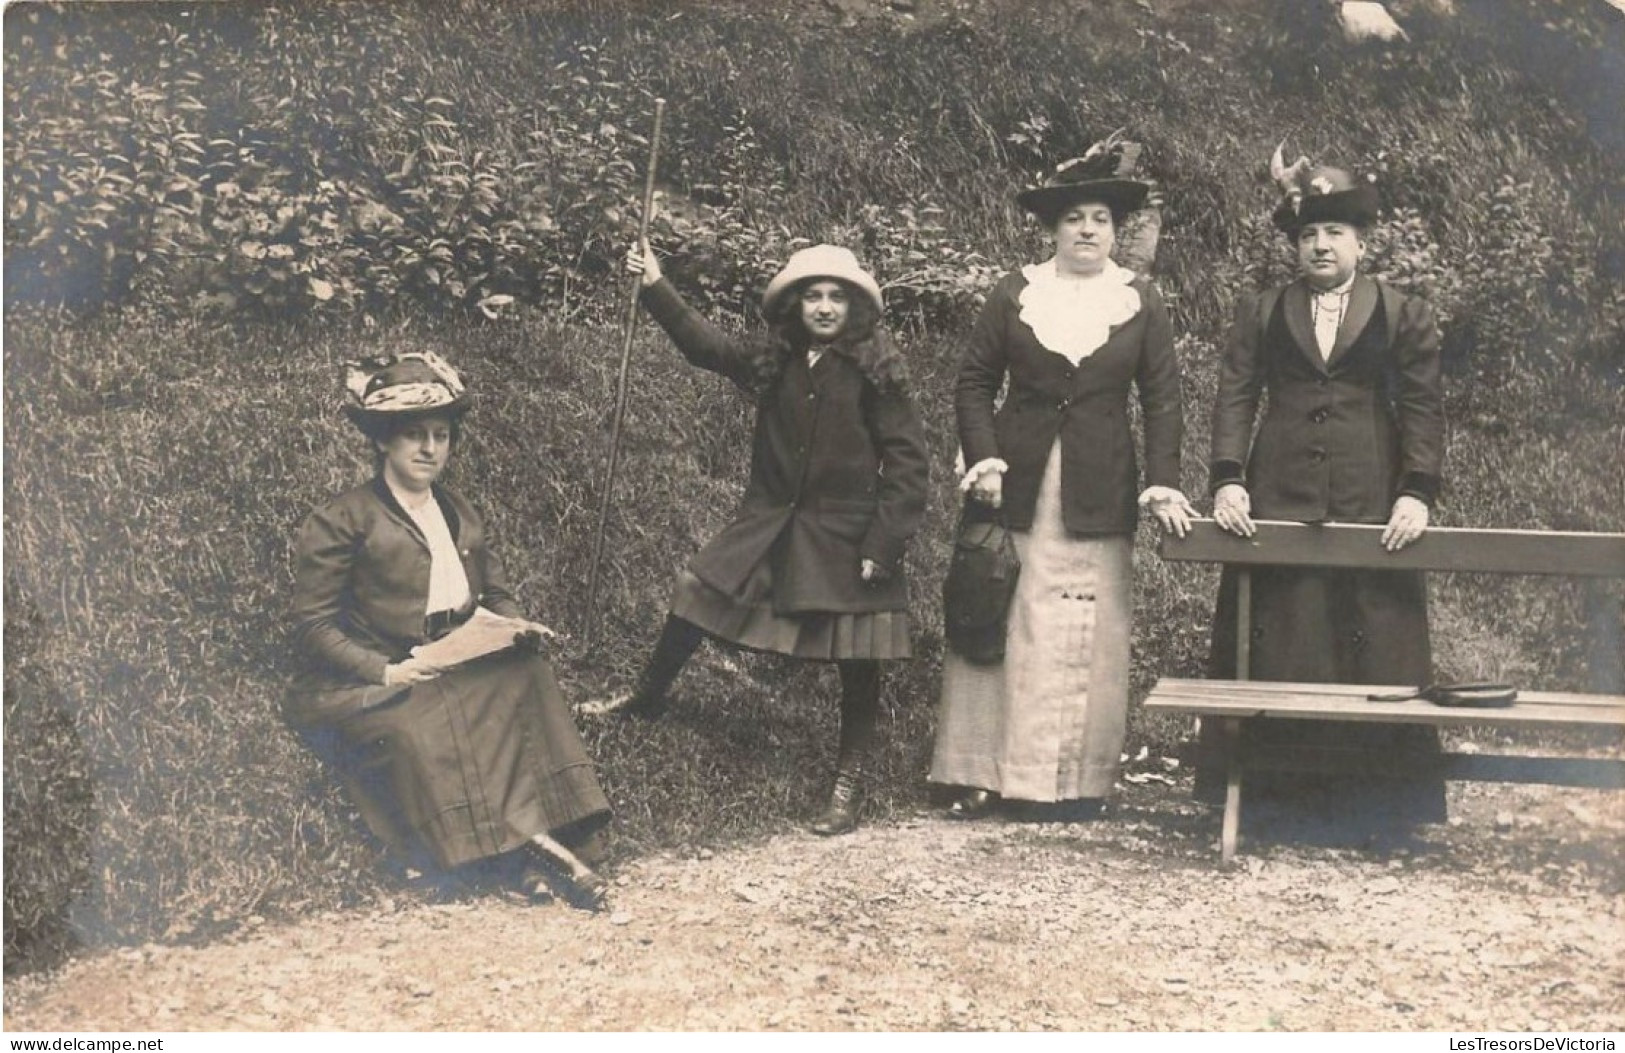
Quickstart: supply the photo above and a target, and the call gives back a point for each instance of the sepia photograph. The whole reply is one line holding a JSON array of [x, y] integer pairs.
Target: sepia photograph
[[837, 516]]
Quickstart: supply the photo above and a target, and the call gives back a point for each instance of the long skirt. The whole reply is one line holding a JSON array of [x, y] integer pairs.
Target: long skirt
[[1047, 723], [749, 620], [473, 763], [1316, 625]]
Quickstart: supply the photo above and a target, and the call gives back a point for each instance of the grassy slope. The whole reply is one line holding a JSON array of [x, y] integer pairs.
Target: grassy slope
[[156, 469]]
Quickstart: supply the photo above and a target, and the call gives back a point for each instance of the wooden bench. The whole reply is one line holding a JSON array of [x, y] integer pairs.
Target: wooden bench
[[1233, 702]]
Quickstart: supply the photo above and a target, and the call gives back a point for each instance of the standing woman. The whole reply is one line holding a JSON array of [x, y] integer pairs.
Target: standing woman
[[1070, 335], [1353, 432], [460, 764], [812, 564]]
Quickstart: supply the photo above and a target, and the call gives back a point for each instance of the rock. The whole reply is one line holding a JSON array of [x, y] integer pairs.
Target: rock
[[1368, 20]]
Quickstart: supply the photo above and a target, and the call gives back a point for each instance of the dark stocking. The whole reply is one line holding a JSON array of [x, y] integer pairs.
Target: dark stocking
[[860, 712]]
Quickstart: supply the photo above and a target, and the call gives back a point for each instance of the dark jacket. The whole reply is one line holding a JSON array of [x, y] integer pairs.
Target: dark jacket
[[361, 578], [838, 472], [1086, 405], [1342, 437]]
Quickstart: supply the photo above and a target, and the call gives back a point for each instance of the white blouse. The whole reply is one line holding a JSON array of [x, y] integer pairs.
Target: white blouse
[[1074, 316], [448, 582]]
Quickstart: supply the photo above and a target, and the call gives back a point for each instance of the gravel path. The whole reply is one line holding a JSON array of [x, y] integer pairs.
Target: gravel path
[[1510, 918]]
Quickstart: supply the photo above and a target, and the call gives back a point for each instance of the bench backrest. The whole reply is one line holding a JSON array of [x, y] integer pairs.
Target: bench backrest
[[1441, 548]]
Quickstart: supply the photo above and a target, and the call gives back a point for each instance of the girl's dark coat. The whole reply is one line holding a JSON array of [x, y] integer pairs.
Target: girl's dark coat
[[1086, 405], [838, 472]]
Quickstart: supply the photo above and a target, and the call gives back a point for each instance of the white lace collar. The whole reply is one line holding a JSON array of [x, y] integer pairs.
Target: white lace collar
[[1075, 316]]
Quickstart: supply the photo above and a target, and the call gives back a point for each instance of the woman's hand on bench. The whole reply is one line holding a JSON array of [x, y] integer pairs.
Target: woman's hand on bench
[[1232, 509], [1407, 522]]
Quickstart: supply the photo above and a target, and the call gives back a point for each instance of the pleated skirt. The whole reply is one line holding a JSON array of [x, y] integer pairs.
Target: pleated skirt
[[1047, 723], [749, 620]]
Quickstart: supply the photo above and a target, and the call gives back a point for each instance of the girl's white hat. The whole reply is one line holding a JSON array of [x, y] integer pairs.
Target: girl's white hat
[[820, 261]]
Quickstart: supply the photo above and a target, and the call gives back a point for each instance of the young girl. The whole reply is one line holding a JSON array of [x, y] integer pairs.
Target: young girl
[[812, 564]]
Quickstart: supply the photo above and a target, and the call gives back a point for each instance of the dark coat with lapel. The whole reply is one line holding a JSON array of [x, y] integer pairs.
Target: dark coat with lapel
[[1085, 405], [838, 472], [1342, 437], [361, 577]]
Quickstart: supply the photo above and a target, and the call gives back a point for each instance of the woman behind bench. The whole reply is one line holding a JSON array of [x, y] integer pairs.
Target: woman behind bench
[[1353, 433]]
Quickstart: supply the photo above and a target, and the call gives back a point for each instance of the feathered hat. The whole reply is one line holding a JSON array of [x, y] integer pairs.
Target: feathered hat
[[1104, 173], [1320, 194], [386, 389]]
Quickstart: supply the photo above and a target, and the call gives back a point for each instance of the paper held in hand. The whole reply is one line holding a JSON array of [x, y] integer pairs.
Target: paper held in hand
[[483, 633]]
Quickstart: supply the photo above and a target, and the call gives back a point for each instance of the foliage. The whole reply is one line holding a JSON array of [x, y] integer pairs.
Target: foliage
[[230, 199]]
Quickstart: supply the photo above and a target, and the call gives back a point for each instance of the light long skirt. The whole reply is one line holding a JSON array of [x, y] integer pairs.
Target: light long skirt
[[1047, 724]]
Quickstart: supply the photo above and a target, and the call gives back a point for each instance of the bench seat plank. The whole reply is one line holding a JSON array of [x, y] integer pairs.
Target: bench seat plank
[[1267, 699]]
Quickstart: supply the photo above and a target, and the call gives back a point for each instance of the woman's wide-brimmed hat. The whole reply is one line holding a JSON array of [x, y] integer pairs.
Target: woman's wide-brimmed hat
[[392, 388], [1321, 194], [1104, 173], [820, 261]]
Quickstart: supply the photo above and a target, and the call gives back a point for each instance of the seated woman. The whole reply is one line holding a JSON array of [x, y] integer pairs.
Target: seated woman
[[448, 765]]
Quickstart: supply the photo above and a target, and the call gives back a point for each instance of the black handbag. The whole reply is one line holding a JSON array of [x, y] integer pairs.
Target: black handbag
[[980, 584]]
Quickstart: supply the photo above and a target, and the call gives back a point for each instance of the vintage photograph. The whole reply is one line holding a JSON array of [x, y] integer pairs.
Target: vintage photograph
[[845, 516]]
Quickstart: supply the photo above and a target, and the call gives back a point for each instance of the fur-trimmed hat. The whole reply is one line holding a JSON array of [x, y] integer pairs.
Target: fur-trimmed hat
[[820, 261], [1104, 173], [1320, 194], [384, 390]]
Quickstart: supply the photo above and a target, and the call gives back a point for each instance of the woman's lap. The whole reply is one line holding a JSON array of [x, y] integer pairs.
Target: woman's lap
[[474, 762]]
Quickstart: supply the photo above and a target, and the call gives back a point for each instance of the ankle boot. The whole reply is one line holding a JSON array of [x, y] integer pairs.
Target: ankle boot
[[846, 800]]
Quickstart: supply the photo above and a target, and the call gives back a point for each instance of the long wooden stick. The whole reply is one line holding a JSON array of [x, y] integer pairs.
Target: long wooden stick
[[590, 628]]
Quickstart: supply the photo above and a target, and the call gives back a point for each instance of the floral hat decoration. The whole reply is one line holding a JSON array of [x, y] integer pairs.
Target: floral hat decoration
[[1104, 173], [391, 387], [1320, 194]]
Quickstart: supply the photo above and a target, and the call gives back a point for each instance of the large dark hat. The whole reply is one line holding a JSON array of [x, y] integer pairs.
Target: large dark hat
[[1320, 194], [1104, 173], [392, 388]]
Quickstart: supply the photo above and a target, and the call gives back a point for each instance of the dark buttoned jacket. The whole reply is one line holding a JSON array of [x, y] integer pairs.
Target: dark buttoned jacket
[[838, 472], [361, 580], [1085, 405], [1342, 436]]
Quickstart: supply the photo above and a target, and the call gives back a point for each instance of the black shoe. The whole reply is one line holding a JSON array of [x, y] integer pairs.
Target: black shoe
[[578, 885], [973, 804], [846, 800]]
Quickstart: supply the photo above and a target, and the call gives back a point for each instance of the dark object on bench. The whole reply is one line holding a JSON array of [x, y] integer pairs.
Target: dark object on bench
[[1482, 695]]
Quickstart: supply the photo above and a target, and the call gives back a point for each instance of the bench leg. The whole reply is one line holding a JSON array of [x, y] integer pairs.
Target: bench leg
[[1232, 790]]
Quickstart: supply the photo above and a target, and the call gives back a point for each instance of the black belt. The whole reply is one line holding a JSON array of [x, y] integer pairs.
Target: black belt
[[439, 623]]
